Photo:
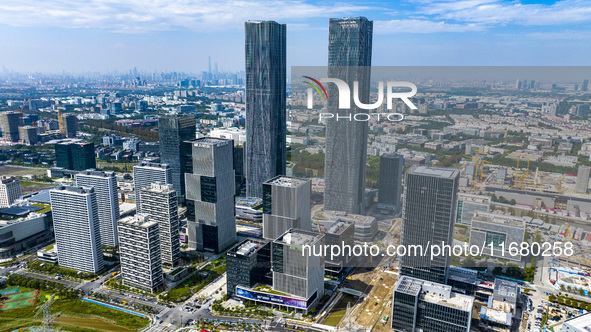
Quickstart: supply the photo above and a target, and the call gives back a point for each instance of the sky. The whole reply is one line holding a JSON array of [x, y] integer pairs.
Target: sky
[[179, 35]]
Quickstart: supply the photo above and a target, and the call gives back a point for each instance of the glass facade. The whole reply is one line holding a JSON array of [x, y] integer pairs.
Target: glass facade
[[349, 59], [266, 123]]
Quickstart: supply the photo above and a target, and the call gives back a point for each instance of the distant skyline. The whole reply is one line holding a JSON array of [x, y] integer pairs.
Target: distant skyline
[[179, 35]]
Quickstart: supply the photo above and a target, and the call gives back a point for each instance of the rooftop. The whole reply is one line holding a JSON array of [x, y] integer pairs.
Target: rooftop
[[92, 172], [248, 201], [210, 141], [73, 189], [498, 219], [285, 181], [153, 165], [434, 293], [298, 237], [474, 198], [140, 219], [582, 322], [446, 173], [339, 226]]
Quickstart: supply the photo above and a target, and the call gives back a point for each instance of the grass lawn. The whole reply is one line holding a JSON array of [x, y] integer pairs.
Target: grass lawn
[[21, 171], [96, 317], [334, 317]]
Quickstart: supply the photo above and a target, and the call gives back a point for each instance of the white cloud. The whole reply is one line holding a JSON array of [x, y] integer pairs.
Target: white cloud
[[422, 26], [157, 15], [495, 12]]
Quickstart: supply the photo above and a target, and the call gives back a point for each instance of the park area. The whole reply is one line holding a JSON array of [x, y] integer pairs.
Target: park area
[[74, 314]]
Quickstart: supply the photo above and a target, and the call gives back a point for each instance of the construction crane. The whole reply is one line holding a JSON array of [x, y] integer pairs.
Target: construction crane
[[517, 175], [567, 234], [478, 165], [560, 183]]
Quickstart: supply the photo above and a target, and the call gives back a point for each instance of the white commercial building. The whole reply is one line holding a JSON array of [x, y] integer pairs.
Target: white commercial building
[[159, 201], [145, 173], [139, 247], [105, 187], [77, 228], [10, 190]]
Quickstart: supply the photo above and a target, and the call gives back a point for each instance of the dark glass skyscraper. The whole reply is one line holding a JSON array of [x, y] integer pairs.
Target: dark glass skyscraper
[[173, 131], [349, 59], [428, 217], [266, 120], [390, 180], [73, 155]]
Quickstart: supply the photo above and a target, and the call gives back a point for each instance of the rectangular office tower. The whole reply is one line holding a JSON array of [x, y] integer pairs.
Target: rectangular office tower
[[75, 155], [173, 130], [295, 271], [105, 187], [286, 204], [390, 181], [77, 228], [139, 247], [10, 190], [145, 173], [248, 264], [69, 124], [349, 59], [419, 305], [266, 118], [210, 195], [582, 184], [428, 218], [9, 123], [341, 233], [159, 201]]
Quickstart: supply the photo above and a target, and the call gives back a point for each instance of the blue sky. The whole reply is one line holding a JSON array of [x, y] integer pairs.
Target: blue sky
[[168, 35]]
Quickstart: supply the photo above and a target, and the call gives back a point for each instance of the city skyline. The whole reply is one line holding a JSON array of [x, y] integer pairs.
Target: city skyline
[[407, 33]]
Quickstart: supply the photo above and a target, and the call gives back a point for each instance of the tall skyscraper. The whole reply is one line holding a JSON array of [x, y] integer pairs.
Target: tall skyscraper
[[145, 173], [286, 204], [139, 248], [390, 180], [77, 228], [159, 201], [211, 216], [75, 155], [105, 187], [428, 217], [9, 123], [173, 130], [582, 184], [349, 59], [585, 85], [10, 190], [266, 119], [69, 125]]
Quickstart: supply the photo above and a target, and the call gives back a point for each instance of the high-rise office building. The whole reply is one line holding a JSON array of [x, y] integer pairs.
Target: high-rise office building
[[69, 125], [105, 187], [75, 155], [295, 273], [239, 168], [349, 59], [390, 180], [210, 195], [585, 85], [139, 248], [266, 119], [419, 305], [10, 190], [159, 201], [173, 130], [582, 184], [428, 217], [248, 263], [9, 123], [146, 173], [28, 135], [76, 227], [286, 204]]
